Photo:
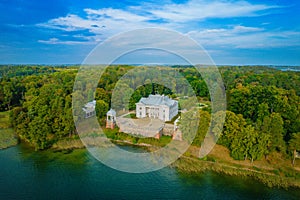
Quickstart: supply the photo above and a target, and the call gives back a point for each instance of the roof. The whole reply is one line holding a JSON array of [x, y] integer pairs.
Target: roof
[[157, 100], [90, 106], [111, 112]]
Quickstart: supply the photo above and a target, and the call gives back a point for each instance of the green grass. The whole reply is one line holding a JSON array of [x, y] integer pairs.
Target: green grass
[[163, 141], [256, 168], [68, 143], [4, 120], [131, 116], [188, 165], [173, 119], [7, 135], [7, 138]]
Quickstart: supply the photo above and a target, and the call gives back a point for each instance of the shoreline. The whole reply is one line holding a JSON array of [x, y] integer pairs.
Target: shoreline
[[196, 166], [8, 138], [191, 165]]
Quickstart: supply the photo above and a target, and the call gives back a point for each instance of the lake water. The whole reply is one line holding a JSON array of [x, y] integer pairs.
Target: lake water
[[25, 174]]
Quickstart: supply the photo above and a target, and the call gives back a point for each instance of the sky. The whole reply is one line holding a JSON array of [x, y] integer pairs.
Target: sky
[[233, 32]]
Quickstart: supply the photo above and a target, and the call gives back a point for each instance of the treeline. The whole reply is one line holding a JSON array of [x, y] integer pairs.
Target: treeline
[[9, 71], [263, 104], [263, 76]]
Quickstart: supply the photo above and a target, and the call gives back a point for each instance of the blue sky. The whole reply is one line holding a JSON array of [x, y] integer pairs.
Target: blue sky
[[233, 32]]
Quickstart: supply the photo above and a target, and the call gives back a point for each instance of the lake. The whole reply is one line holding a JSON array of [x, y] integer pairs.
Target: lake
[[26, 174]]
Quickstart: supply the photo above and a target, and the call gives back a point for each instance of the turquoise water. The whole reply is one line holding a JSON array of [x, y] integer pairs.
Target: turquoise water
[[26, 174]]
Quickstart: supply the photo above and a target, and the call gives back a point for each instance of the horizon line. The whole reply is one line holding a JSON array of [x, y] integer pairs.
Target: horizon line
[[152, 64]]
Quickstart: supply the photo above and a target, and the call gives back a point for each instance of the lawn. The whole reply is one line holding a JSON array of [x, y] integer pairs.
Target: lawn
[[131, 116], [4, 120]]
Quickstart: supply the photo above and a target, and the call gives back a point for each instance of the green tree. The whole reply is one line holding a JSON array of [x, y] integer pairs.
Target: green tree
[[101, 94], [8, 94], [189, 123], [294, 145], [203, 127], [273, 126], [135, 97], [101, 108], [233, 127], [260, 145]]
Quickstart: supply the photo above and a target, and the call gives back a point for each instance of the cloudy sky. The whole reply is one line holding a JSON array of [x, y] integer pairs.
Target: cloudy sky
[[232, 31]]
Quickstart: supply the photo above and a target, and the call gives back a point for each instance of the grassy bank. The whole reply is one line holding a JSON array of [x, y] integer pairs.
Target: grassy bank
[[4, 120], [193, 166], [68, 144], [273, 172], [8, 138]]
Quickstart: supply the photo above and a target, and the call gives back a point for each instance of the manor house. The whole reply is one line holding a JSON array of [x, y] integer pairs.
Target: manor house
[[157, 107]]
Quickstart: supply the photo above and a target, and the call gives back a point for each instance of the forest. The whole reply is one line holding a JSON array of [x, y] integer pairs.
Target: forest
[[262, 117]]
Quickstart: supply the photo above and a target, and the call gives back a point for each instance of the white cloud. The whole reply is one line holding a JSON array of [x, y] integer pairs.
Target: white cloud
[[69, 23], [203, 9], [103, 23], [116, 14], [57, 41], [245, 37], [244, 29], [144, 15]]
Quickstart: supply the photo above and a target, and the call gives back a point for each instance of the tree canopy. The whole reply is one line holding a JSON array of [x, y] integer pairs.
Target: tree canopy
[[263, 104]]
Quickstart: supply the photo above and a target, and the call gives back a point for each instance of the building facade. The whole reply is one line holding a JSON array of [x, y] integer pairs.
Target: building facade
[[157, 107], [89, 109], [111, 117]]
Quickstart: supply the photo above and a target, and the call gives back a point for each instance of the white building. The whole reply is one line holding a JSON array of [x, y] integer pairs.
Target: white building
[[89, 109], [111, 117], [158, 107]]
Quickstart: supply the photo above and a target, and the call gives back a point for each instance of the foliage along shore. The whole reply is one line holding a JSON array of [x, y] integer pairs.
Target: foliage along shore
[[189, 164], [194, 166]]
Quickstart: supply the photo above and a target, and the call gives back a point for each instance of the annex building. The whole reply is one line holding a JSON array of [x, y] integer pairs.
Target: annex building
[[157, 107], [89, 109]]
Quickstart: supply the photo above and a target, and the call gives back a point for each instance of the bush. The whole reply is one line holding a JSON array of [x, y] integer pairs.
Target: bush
[[276, 171]]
